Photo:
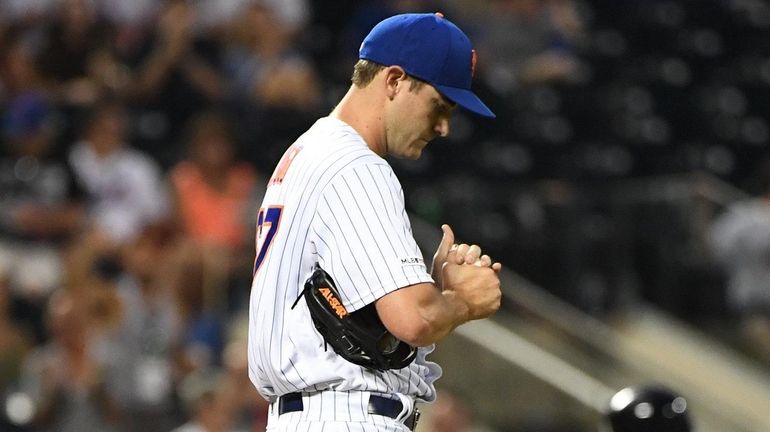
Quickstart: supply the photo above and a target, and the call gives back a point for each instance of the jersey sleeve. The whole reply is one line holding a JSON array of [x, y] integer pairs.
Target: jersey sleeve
[[363, 236]]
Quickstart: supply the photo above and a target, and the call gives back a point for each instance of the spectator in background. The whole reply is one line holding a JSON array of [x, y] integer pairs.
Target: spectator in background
[[273, 86], [125, 188], [262, 64], [18, 72], [214, 190], [74, 42], [174, 75], [41, 206], [524, 41], [173, 57], [740, 242], [65, 377], [131, 24], [214, 196], [144, 350]]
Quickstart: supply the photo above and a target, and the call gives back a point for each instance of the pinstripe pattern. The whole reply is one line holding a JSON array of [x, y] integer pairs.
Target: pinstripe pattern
[[342, 206]]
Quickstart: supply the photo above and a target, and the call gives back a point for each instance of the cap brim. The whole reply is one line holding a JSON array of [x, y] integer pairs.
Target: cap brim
[[466, 99]]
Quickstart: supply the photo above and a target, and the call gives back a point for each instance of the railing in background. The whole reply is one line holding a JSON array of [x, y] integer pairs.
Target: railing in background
[[731, 392]]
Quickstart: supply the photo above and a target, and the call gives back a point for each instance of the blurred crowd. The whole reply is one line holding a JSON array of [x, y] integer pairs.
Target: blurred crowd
[[135, 140], [127, 211]]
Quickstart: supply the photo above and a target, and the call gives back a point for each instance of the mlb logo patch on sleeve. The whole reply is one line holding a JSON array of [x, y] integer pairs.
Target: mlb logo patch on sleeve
[[412, 261]]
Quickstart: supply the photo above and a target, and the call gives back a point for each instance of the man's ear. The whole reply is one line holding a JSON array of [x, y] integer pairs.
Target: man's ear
[[393, 76]]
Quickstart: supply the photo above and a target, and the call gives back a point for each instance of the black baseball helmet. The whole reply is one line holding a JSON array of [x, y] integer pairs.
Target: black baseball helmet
[[648, 409]]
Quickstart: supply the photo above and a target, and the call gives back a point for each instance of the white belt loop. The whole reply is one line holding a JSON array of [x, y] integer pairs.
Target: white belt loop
[[407, 405], [272, 410]]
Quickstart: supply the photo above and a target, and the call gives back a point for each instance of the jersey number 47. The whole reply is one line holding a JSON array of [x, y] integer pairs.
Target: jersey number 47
[[267, 224]]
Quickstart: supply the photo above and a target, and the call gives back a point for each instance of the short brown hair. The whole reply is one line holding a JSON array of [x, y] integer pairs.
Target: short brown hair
[[364, 72]]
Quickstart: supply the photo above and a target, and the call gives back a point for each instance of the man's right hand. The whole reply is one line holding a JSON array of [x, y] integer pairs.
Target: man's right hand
[[464, 253], [477, 285]]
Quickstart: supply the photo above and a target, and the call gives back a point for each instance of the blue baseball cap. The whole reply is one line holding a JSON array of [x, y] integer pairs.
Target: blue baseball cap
[[431, 48]]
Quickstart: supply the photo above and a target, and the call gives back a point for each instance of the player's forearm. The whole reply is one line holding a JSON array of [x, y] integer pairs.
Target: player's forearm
[[448, 314], [434, 320]]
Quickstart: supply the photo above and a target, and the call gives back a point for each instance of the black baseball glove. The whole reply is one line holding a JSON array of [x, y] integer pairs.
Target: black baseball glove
[[359, 337]]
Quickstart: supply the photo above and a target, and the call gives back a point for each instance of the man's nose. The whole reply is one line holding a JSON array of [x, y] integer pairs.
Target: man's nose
[[442, 127]]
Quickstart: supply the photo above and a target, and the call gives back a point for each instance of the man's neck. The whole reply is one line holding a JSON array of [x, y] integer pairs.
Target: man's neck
[[360, 108]]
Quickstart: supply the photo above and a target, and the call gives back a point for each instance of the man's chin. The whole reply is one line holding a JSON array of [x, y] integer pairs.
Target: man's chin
[[412, 155], [417, 150]]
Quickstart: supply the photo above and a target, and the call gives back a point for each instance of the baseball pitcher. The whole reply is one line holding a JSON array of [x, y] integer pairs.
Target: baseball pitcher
[[343, 309]]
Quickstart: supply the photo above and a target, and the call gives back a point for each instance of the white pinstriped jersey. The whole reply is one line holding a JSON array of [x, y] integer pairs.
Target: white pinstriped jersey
[[333, 201]]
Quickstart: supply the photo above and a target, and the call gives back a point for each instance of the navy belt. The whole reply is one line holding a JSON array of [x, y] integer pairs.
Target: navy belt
[[378, 405]]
